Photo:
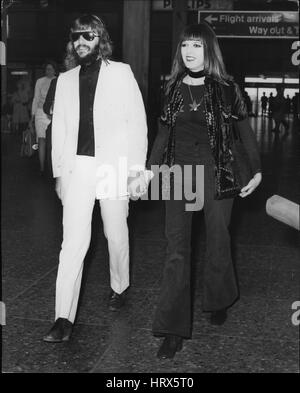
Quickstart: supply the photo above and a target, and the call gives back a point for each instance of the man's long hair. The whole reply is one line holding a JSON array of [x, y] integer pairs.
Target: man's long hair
[[93, 22], [70, 60], [213, 60]]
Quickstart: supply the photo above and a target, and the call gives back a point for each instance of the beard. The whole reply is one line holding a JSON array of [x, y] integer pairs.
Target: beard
[[90, 58]]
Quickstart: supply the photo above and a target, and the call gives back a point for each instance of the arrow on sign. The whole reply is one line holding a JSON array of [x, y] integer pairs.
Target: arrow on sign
[[210, 18]]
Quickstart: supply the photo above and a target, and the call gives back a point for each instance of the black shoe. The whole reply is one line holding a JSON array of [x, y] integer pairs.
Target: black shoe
[[60, 331], [169, 347], [218, 317], [116, 301]]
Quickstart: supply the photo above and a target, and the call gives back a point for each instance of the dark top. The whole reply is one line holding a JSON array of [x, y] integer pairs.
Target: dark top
[[191, 137], [190, 128], [88, 77], [49, 101], [190, 123]]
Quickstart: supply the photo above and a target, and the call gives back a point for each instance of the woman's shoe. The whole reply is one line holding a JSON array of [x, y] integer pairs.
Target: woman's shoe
[[169, 347]]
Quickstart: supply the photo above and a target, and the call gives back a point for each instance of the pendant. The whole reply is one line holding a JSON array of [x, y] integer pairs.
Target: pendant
[[194, 106]]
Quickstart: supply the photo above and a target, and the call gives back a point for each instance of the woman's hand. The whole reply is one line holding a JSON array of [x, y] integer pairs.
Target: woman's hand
[[138, 183], [251, 186], [137, 186]]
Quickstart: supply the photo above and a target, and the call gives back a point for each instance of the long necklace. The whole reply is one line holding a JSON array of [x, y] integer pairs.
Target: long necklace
[[194, 106]]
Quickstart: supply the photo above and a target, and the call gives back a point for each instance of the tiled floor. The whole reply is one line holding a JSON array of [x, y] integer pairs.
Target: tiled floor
[[257, 337]]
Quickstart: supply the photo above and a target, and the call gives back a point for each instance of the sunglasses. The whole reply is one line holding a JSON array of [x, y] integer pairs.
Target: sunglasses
[[87, 35]]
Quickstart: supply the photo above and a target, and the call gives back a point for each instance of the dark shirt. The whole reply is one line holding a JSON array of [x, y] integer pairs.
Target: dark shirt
[[49, 101], [191, 138], [190, 129], [88, 77]]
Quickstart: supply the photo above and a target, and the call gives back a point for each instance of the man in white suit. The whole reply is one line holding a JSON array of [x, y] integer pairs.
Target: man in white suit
[[99, 143]]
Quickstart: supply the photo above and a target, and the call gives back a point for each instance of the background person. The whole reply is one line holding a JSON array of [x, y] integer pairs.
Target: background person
[[295, 106], [271, 104], [264, 103], [288, 105], [39, 117], [279, 110], [248, 103], [20, 106], [69, 63]]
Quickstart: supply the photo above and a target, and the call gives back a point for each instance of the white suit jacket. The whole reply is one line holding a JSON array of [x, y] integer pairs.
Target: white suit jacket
[[120, 126]]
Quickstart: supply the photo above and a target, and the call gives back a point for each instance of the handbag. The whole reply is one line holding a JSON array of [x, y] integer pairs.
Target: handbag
[[28, 146]]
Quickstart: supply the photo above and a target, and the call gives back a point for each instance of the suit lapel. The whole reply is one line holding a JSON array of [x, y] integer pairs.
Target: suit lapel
[[101, 90], [74, 96], [102, 95]]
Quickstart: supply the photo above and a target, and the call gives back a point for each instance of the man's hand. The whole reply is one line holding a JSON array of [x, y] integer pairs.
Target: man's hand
[[251, 186]]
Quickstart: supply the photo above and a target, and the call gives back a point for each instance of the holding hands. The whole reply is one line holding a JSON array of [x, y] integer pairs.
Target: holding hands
[[138, 183]]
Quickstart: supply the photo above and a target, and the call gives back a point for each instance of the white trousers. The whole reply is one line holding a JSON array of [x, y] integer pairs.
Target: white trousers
[[78, 207]]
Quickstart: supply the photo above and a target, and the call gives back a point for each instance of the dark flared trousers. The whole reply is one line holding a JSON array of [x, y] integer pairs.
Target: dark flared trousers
[[174, 311]]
